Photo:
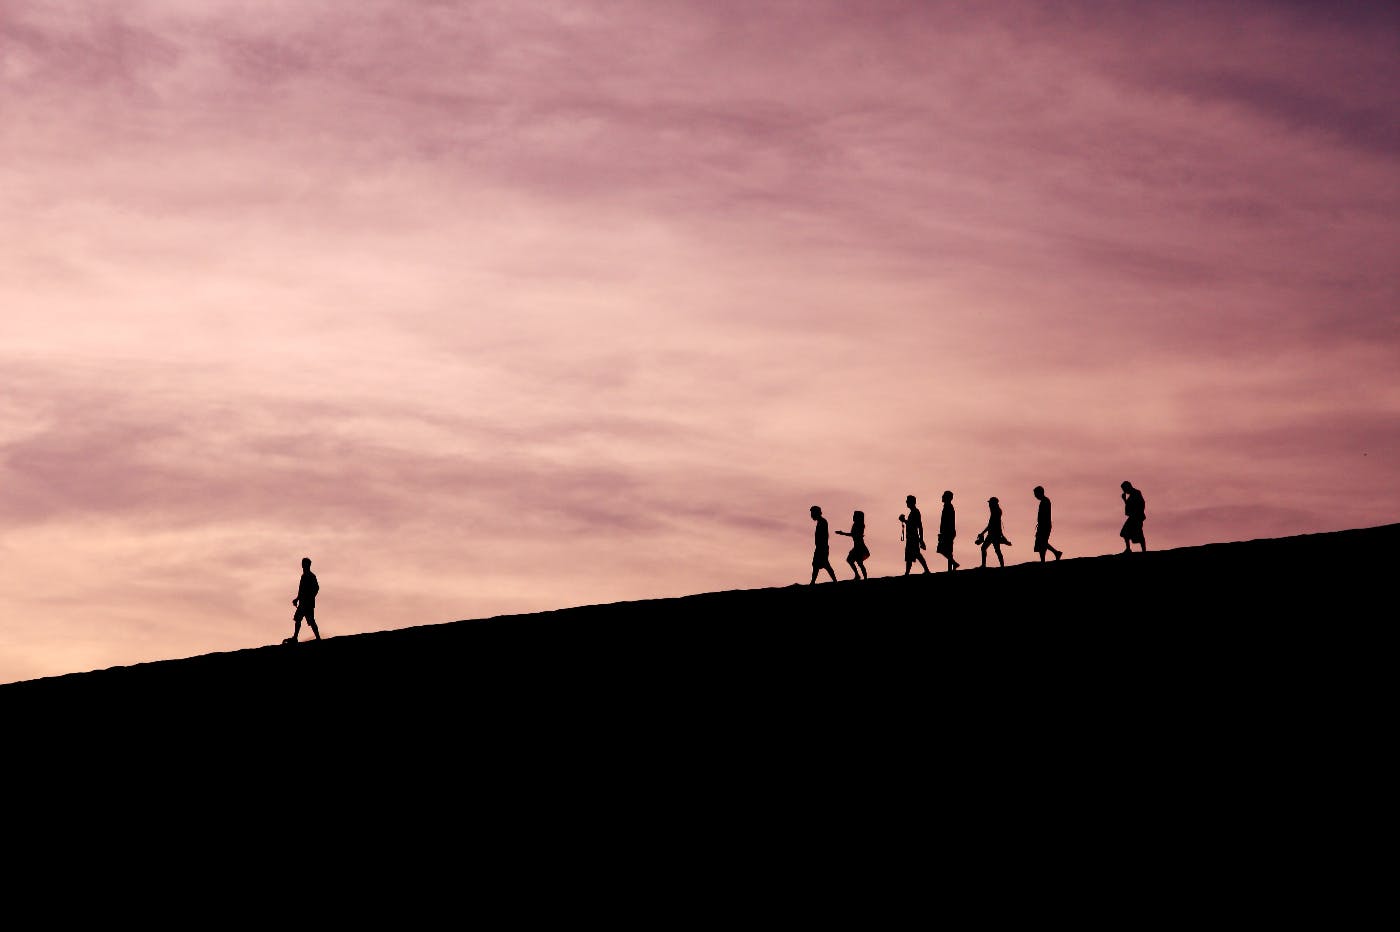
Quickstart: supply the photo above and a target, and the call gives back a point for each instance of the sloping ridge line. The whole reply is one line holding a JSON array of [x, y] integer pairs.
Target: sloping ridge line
[[1191, 605]]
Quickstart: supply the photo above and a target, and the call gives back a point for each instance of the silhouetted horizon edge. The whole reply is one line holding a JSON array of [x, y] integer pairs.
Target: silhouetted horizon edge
[[1210, 563]]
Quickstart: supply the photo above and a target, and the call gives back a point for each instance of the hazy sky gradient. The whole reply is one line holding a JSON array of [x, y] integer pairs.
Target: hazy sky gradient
[[493, 308]]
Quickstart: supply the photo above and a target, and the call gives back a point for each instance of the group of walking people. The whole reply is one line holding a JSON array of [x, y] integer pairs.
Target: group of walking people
[[991, 537]]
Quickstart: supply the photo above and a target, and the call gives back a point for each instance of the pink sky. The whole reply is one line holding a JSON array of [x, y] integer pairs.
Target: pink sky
[[492, 308]]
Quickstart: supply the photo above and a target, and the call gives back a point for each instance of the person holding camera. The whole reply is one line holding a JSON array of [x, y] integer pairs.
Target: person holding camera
[[913, 536]]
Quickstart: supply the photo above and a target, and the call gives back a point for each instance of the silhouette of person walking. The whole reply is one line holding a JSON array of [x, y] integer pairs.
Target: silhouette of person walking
[[859, 552], [913, 537], [821, 556], [305, 602], [991, 535], [947, 530], [1136, 510], [1042, 525]]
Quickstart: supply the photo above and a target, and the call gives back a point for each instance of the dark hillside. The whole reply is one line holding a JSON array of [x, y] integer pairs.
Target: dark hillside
[[1114, 702], [1122, 639]]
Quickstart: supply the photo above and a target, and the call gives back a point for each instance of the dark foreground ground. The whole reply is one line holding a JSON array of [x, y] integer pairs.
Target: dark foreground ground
[[1202, 708]]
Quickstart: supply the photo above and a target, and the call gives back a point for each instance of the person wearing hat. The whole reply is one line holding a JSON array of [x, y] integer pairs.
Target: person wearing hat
[[991, 535]]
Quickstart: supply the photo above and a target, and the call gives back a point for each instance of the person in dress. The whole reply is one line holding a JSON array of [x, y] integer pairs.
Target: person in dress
[[859, 552]]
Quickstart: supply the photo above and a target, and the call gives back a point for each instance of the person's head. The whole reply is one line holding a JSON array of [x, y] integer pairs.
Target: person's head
[[993, 501], [858, 517], [816, 511], [1038, 491], [947, 496], [306, 563], [1127, 486], [909, 500]]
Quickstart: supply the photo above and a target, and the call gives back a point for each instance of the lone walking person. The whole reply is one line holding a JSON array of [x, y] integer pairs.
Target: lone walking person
[[859, 552], [913, 536], [991, 535], [1042, 525], [821, 555], [305, 602], [1136, 510]]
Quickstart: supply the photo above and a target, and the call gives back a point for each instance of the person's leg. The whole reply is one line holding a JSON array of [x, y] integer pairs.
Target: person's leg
[[997, 548], [311, 622]]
